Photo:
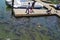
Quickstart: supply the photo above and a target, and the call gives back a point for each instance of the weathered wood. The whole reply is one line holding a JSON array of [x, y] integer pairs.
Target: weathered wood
[[21, 12], [37, 12]]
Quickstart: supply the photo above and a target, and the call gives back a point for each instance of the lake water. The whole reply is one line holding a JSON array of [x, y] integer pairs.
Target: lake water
[[48, 23]]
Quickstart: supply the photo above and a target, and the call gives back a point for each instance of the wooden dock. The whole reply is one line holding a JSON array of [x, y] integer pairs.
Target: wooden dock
[[37, 12]]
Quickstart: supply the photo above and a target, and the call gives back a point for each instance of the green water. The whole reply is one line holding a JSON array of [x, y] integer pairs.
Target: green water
[[28, 28]]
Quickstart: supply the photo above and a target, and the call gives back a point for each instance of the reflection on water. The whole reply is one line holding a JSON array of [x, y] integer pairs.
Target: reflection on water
[[50, 26]]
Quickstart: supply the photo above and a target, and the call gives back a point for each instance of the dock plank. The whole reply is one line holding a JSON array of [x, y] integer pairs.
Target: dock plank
[[37, 12]]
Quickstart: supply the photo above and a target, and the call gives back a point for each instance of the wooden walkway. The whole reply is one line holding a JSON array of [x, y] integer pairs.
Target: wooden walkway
[[37, 12], [21, 12]]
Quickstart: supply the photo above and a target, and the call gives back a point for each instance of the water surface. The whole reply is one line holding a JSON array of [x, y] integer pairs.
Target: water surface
[[28, 28]]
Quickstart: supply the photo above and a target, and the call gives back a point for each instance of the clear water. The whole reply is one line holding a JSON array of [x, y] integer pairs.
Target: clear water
[[2, 7], [52, 23]]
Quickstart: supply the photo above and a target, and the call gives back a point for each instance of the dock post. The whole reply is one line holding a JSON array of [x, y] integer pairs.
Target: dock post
[[12, 7]]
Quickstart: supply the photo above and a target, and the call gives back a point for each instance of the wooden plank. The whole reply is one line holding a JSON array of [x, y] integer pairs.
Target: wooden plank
[[37, 12]]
